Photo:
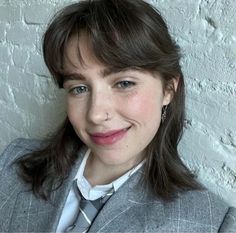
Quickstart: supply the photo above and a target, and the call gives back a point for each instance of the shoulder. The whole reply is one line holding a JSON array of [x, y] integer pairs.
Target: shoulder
[[202, 199], [197, 210], [18, 148], [229, 223]]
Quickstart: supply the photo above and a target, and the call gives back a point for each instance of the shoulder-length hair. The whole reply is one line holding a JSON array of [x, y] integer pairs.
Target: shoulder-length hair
[[123, 34]]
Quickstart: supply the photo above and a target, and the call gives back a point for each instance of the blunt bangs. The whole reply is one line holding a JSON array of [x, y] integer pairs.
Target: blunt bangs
[[122, 34]]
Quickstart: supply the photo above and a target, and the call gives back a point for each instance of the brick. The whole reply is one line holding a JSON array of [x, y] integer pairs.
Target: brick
[[5, 94], [21, 80], [2, 32], [27, 102], [36, 65], [14, 118], [4, 54], [44, 13], [3, 71], [9, 13], [20, 57], [21, 34]]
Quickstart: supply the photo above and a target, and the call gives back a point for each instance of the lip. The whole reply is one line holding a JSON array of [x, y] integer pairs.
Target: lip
[[109, 137]]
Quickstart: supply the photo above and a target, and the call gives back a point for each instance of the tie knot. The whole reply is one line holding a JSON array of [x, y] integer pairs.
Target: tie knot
[[98, 203]]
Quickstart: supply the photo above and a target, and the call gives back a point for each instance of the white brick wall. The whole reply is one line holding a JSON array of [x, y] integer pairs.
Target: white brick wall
[[30, 105]]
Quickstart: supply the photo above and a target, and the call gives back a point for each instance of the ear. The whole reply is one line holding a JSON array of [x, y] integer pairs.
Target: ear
[[170, 90]]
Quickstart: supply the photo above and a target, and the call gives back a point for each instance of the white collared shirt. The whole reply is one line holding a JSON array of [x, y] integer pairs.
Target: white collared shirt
[[90, 193]]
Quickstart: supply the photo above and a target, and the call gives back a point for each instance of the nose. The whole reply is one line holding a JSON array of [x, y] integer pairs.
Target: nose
[[100, 108]]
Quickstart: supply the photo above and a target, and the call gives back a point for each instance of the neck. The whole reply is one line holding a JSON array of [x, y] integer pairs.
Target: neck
[[98, 173]]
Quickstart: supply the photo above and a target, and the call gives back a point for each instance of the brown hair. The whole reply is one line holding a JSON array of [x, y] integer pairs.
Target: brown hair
[[123, 34]]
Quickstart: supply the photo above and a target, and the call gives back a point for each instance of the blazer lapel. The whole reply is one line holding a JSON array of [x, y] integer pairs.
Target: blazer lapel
[[122, 212]]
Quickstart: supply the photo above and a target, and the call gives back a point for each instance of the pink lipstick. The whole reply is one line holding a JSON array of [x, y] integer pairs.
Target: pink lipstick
[[109, 137]]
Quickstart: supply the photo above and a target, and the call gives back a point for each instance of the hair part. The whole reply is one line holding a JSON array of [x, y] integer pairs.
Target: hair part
[[122, 34]]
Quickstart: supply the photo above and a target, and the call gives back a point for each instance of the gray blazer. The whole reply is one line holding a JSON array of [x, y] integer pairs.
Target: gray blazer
[[130, 209]]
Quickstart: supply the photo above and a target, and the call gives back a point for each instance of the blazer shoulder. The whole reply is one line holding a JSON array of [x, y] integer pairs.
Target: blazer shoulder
[[18, 148], [203, 198], [207, 200], [198, 209], [229, 223]]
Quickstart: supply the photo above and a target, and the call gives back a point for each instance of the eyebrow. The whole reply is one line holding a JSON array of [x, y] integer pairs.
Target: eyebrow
[[104, 73]]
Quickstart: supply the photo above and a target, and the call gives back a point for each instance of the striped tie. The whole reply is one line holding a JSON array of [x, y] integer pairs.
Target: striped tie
[[87, 210]]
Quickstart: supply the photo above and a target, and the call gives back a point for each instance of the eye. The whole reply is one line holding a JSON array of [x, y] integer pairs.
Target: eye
[[78, 90], [125, 84]]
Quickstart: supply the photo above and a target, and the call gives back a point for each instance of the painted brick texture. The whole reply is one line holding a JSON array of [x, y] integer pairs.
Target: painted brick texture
[[31, 106]]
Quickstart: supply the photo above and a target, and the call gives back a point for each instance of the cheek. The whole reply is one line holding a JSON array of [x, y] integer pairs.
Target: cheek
[[74, 112], [145, 111], [145, 106]]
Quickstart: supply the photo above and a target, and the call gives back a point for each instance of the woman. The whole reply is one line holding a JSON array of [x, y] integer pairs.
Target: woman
[[117, 150]]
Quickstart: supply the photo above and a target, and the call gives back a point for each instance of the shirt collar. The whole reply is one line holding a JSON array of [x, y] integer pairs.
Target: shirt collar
[[92, 193]]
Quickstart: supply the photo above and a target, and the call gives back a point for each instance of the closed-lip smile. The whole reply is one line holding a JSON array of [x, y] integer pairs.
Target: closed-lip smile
[[109, 137]]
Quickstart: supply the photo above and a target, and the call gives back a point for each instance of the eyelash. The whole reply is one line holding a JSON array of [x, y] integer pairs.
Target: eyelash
[[125, 84], [79, 90]]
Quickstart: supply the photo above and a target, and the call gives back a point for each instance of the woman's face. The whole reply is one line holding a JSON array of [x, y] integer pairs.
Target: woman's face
[[115, 113]]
